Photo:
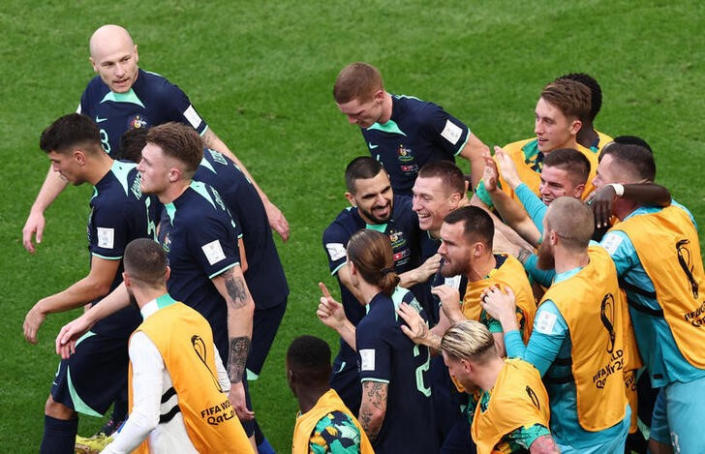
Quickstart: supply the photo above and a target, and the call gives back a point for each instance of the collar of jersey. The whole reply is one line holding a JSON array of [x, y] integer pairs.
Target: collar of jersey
[[129, 97], [390, 127], [156, 304], [381, 228]]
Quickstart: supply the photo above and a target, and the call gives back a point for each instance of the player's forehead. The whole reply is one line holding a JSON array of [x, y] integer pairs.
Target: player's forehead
[[554, 174], [429, 186], [545, 109], [451, 233], [372, 186], [355, 105], [106, 51]]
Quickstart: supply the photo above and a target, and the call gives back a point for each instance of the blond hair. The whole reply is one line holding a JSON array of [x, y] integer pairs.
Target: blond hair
[[469, 340]]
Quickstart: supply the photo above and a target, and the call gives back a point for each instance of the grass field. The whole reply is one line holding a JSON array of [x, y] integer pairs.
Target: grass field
[[261, 73]]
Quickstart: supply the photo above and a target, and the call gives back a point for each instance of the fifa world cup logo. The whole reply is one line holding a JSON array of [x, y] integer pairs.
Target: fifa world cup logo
[[607, 317], [200, 348], [534, 398], [684, 261]]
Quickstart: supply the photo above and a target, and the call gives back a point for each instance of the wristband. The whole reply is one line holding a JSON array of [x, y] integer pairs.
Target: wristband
[[618, 189]]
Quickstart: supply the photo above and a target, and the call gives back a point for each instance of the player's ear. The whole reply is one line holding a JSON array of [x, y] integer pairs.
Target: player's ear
[[575, 127], [379, 96], [167, 273], [578, 192], [93, 64], [137, 55], [351, 198], [79, 156]]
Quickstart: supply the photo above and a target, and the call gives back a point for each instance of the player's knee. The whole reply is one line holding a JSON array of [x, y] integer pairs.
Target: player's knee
[[58, 410]]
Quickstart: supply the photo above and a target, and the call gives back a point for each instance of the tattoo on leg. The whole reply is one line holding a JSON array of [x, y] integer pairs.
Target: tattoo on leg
[[237, 357]]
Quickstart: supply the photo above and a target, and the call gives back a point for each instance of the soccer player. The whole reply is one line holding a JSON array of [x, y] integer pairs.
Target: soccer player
[[396, 409], [200, 238], [560, 111], [324, 424], [578, 342], [402, 132], [96, 375], [513, 411], [261, 266], [123, 96], [657, 254], [374, 205], [178, 383]]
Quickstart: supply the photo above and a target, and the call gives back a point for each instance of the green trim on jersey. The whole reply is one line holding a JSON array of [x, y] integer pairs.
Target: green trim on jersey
[[105, 257], [201, 189], [121, 170], [165, 300], [207, 165], [377, 227], [390, 127], [170, 210], [221, 271], [129, 97]]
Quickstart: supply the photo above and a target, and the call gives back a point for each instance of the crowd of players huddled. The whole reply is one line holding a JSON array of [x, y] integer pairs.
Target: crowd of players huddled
[[549, 302]]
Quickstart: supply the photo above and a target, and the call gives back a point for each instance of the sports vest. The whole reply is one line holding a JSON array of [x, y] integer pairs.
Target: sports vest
[[593, 306], [529, 170], [510, 274], [518, 399], [185, 342], [669, 250], [328, 402]]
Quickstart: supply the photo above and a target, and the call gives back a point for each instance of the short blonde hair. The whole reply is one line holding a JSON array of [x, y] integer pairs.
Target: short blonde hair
[[469, 340]]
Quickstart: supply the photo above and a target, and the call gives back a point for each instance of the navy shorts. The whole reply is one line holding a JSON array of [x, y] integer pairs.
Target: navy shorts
[[265, 324], [93, 377]]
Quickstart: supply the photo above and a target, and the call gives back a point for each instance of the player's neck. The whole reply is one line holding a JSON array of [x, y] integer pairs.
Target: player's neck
[[309, 397], [101, 165], [144, 295], [482, 267], [490, 372], [173, 191], [567, 259], [623, 208], [367, 291], [387, 106], [587, 135]]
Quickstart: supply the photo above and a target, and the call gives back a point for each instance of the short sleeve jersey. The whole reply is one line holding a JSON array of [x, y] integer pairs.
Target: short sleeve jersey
[[418, 132], [388, 356], [402, 229], [119, 214], [200, 238], [152, 100], [335, 433], [265, 275]]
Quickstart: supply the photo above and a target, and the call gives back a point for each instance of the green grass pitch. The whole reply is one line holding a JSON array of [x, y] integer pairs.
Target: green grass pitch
[[261, 73]]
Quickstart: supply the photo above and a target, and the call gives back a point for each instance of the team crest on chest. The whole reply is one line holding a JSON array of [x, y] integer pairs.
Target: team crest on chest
[[404, 154], [137, 121]]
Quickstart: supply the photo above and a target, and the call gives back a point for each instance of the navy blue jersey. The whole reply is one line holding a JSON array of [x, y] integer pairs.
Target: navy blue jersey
[[403, 232], [387, 355], [119, 214], [418, 132], [200, 238], [265, 275], [151, 101]]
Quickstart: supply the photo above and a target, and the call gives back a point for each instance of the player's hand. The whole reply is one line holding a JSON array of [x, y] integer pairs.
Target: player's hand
[[507, 167], [329, 311], [602, 201], [33, 227], [500, 306], [429, 267], [69, 335], [416, 328], [450, 302], [277, 220], [490, 175], [32, 321], [236, 396]]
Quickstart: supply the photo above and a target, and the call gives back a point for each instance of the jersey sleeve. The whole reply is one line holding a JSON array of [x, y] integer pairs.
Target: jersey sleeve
[[335, 433], [109, 232], [533, 205], [622, 251], [214, 246], [447, 131], [335, 240], [375, 354], [180, 109]]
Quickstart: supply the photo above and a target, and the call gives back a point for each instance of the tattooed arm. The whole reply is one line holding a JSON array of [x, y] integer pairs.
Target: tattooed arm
[[544, 445], [231, 285], [373, 407]]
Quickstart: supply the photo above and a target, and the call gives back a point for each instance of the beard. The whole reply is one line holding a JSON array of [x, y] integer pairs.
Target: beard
[[375, 219], [546, 260], [454, 269]]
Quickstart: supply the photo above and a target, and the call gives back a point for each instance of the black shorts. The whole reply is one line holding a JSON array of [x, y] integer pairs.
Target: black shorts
[[265, 325], [94, 376]]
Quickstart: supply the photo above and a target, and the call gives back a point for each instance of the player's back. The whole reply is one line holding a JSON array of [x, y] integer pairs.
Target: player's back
[[264, 276], [386, 354]]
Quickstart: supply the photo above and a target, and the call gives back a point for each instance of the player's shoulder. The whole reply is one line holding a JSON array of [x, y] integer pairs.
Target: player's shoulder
[[402, 204], [415, 109], [348, 221], [155, 85], [521, 146]]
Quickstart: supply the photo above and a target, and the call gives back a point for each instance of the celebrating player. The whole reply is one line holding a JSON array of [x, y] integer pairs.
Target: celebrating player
[[178, 383], [402, 132], [123, 96], [396, 409], [96, 374]]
